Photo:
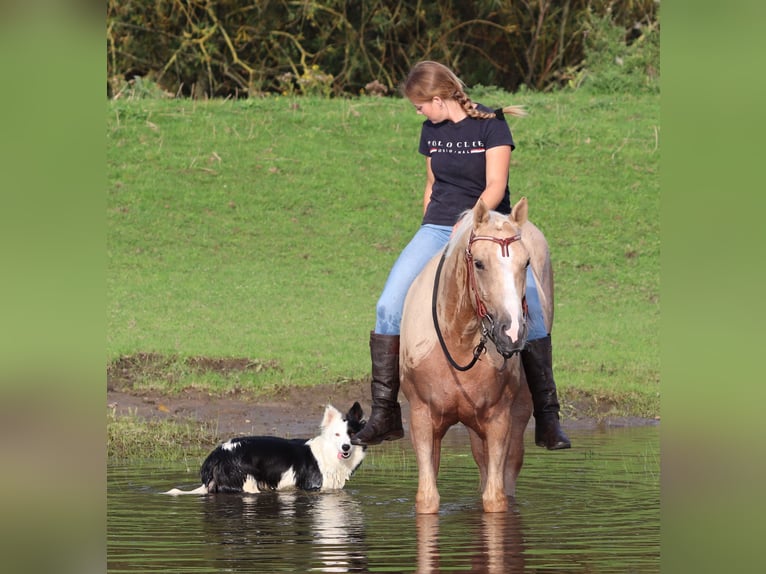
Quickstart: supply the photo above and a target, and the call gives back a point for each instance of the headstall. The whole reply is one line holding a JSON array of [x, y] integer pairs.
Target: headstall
[[481, 308]]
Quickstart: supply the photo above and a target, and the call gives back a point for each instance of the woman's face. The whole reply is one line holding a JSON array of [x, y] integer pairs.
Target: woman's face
[[434, 109]]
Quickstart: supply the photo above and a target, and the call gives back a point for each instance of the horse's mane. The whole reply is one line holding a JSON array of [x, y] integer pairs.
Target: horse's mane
[[460, 236], [454, 250]]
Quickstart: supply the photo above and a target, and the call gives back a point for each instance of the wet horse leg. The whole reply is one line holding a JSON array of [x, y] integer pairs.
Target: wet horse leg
[[479, 455], [425, 443], [515, 456], [437, 453], [521, 412], [498, 442]]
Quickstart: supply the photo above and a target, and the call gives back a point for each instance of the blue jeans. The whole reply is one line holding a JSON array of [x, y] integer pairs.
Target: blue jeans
[[426, 243]]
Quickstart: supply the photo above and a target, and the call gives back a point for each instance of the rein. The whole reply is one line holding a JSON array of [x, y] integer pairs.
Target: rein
[[481, 308]]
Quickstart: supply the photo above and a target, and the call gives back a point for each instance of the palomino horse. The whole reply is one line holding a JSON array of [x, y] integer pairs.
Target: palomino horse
[[463, 325]]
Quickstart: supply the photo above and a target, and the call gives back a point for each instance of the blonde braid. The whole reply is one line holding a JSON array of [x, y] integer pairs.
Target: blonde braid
[[470, 108], [517, 111], [429, 79]]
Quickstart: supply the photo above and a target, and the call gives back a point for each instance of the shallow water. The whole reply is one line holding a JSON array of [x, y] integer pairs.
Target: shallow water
[[594, 508]]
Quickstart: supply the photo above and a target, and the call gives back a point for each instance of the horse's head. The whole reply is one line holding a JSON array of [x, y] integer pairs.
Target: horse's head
[[496, 266]]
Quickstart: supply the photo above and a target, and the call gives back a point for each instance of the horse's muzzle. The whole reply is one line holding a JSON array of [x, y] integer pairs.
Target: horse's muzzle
[[503, 342], [509, 354]]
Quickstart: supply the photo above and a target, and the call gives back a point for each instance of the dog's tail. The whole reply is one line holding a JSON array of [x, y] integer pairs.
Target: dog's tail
[[202, 489]]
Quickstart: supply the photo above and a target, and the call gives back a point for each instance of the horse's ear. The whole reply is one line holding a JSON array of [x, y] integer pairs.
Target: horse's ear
[[480, 212], [519, 212]]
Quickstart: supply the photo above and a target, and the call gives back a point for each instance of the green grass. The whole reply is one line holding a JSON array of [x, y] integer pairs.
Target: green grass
[[266, 229], [131, 437]]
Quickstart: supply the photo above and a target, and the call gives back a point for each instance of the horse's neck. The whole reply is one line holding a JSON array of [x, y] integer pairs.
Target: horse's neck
[[457, 312]]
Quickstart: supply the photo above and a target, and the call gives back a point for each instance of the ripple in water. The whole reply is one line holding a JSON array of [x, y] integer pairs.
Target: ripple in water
[[594, 508]]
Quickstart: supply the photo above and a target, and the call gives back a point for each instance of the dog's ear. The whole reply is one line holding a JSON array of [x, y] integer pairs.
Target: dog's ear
[[355, 413], [330, 415]]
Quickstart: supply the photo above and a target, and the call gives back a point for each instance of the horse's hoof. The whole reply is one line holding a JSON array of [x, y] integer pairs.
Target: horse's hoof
[[427, 507], [496, 505]]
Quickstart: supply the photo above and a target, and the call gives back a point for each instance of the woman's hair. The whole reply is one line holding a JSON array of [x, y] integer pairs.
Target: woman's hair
[[428, 80]]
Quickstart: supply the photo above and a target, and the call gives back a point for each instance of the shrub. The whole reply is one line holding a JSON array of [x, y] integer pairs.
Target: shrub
[[210, 48], [615, 63]]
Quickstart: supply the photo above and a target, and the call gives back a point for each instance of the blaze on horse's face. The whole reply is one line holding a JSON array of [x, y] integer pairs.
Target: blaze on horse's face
[[500, 275]]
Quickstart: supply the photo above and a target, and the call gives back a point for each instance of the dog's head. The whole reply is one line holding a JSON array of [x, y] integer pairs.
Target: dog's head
[[338, 429]]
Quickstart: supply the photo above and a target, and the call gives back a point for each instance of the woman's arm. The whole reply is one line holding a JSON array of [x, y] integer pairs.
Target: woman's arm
[[498, 160], [429, 185]]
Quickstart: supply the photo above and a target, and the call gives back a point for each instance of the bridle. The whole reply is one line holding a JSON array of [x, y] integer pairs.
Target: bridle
[[485, 318]]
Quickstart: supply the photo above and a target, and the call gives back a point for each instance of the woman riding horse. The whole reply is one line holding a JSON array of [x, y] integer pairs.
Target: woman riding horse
[[467, 148]]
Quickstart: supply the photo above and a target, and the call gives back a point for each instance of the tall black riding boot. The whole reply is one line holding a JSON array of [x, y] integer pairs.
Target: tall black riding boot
[[538, 367], [385, 422]]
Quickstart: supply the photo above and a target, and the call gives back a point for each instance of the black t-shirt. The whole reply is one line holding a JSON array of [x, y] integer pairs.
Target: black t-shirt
[[458, 161]]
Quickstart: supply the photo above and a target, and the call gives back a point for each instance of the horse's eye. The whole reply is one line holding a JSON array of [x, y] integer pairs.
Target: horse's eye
[[478, 264]]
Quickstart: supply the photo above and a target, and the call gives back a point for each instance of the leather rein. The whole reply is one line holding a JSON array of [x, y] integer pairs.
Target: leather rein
[[481, 308]]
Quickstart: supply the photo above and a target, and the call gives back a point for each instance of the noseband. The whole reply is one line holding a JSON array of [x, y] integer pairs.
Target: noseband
[[487, 323]]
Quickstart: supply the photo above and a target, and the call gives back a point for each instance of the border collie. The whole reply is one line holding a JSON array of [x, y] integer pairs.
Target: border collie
[[266, 463]]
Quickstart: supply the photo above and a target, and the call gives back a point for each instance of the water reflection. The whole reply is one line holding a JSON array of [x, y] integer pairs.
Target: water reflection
[[339, 533], [594, 508], [494, 545], [321, 532]]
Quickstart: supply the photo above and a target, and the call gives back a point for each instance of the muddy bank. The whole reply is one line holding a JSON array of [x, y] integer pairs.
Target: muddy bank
[[294, 411]]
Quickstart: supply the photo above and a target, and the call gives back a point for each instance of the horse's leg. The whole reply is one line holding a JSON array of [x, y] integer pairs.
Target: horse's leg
[[498, 442], [515, 455], [479, 455], [437, 453], [422, 433], [521, 410]]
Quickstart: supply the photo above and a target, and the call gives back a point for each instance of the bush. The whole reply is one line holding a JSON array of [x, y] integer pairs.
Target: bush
[[209, 48], [615, 63]]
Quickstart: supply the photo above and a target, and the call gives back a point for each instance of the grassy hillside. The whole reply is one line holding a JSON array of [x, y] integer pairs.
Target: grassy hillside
[[265, 229]]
